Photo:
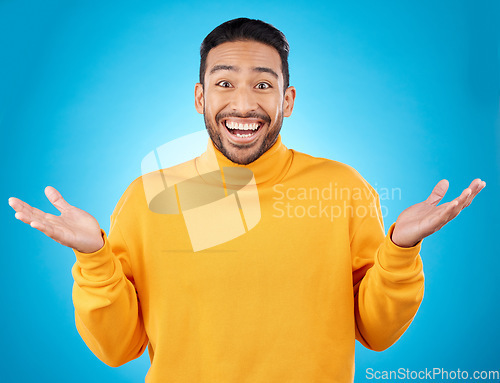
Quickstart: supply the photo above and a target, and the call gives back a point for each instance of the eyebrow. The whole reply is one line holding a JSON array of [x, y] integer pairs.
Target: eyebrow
[[237, 69]]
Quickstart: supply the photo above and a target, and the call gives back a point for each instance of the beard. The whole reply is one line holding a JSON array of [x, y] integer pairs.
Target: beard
[[246, 153]]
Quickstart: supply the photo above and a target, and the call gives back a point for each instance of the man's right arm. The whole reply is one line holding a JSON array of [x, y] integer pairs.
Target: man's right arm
[[107, 311]]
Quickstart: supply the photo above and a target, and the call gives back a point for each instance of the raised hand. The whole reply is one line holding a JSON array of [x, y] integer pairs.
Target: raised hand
[[74, 228], [425, 218]]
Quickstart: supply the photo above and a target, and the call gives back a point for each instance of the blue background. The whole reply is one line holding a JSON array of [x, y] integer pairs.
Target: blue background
[[406, 92]]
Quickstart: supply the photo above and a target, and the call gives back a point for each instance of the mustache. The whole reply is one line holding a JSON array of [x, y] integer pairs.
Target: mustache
[[220, 116]]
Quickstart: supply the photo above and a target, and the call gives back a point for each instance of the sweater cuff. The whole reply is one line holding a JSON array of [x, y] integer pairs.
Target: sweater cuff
[[99, 265], [396, 258]]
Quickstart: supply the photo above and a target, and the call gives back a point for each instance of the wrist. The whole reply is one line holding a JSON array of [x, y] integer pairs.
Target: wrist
[[95, 246], [405, 243]]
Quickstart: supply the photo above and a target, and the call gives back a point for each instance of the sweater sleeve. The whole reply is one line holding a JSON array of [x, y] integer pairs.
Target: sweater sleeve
[[388, 283], [107, 311]]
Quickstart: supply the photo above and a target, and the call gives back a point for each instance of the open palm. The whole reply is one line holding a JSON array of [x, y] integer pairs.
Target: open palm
[[421, 220], [74, 228]]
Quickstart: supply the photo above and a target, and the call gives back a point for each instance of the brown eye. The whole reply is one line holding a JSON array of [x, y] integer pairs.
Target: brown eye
[[263, 85], [224, 84]]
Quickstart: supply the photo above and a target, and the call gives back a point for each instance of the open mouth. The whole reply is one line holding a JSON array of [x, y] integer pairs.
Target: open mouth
[[243, 131]]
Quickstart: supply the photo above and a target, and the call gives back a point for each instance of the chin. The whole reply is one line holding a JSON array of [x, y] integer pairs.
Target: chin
[[241, 156], [244, 153]]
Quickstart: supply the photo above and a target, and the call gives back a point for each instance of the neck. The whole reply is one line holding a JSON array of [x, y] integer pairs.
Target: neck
[[269, 168]]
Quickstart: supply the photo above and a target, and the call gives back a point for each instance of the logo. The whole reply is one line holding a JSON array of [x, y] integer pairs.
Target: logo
[[218, 204]]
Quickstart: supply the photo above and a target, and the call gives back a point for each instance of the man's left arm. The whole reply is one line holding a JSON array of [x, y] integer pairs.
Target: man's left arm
[[425, 218], [387, 272]]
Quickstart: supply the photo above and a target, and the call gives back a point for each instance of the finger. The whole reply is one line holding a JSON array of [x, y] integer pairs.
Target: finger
[[46, 223], [39, 226], [473, 186], [438, 192], [458, 204], [480, 186], [16, 203], [45, 228], [56, 199], [49, 230], [446, 210], [28, 211], [23, 217], [442, 215]]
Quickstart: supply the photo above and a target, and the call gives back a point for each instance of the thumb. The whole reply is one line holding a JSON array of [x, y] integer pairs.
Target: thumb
[[56, 199], [438, 192]]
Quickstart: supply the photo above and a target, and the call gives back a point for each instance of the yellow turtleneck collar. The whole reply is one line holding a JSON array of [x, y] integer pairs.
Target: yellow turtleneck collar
[[269, 168]]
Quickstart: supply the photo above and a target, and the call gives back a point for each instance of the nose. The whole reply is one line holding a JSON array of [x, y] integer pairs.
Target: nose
[[243, 100]]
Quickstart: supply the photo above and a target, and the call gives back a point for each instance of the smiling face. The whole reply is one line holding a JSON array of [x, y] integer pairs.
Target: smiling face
[[243, 100]]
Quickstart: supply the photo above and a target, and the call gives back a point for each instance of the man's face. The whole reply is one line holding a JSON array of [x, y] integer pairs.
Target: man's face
[[243, 100]]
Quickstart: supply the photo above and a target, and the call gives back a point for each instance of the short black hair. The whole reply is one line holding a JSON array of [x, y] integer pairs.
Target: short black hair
[[244, 29]]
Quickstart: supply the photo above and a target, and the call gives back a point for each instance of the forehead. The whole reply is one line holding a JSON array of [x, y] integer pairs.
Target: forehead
[[244, 54]]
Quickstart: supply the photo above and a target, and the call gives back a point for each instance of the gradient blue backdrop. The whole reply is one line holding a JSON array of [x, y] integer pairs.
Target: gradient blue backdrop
[[407, 92]]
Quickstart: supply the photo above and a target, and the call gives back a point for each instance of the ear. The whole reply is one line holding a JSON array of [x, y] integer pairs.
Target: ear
[[199, 101], [288, 101]]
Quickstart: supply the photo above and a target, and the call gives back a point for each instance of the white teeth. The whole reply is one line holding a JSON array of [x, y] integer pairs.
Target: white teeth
[[235, 125], [244, 135]]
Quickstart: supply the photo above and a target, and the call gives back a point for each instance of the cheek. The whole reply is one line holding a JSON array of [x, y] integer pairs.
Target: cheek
[[275, 108], [214, 104]]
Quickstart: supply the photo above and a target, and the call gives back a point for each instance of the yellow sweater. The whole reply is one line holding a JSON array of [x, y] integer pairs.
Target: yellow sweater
[[283, 302]]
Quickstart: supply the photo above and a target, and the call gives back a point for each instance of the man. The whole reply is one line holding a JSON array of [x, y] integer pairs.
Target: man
[[283, 302]]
